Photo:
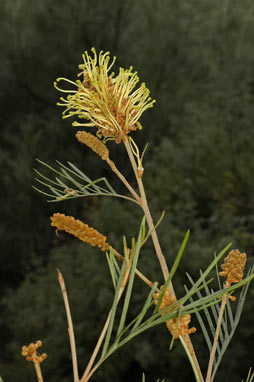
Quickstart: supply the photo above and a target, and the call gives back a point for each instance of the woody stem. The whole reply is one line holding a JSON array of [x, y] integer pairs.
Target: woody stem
[[70, 326], [37, 367], [189, 347], [144, 205], [216, 338], [88, 372], [125, 182]]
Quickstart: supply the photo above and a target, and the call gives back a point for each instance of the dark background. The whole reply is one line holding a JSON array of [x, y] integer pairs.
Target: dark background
[[197, 58]]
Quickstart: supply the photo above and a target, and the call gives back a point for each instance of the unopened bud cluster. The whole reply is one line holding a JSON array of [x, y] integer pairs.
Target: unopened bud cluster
[[177, 327], [93, 143], [82, 231], [31, 354], [233, 266]]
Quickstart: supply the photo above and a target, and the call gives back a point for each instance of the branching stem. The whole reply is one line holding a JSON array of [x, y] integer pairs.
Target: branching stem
[[123, 179], [138, 273]]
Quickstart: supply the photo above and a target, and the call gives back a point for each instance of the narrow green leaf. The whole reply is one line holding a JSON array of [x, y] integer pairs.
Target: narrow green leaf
[[236, 319], [211, 266], [78, 172], [46, 178], [173, 270], [42, 192], [112, 269], [179, 255], [48, 166], [250, 377], [206, 311], [109, 186], [47, 185], [202, 324], [113, 259], [114, 306], [139, 317], [131, 277], [145, 307], [56, 192], [230, 314], [62, 184], [71, 179], [217, 274], [175, 331], [151, 230]]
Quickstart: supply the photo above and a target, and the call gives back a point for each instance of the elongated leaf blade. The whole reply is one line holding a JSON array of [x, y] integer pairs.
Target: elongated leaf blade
[[131, 278], [173, 270], [114, 306]]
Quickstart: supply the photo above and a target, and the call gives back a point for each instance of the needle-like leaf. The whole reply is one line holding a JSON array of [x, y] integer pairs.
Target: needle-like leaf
[[67, 185]]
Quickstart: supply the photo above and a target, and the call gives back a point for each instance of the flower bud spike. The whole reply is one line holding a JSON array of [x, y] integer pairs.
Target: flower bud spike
[[80, 230], [93, 143]]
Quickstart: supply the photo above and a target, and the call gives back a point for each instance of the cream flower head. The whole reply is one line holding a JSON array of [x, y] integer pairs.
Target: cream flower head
[[109, 103]]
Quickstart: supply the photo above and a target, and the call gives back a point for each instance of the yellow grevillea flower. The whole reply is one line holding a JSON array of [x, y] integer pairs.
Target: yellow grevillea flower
[[94, 143], [108, 102]]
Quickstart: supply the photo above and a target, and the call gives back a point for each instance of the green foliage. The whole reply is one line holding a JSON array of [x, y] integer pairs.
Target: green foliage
[[229, 323], [250, 376]]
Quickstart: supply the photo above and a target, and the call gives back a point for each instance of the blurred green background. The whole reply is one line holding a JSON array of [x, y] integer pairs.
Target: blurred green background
[[197, 58]]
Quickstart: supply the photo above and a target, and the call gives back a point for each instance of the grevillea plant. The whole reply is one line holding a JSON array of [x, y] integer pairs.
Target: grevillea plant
[[112, 105]]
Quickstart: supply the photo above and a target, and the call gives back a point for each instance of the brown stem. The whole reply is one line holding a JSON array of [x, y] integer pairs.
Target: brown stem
[[216, 337], [157, 247], [70, 326], [125, 182], [147, 213], [185, 336], [87, 373], [138, 273], [37, 367]]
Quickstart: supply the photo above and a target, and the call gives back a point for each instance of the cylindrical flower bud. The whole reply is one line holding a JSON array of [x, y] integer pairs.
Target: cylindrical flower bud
[[82, 231], [93, 143]]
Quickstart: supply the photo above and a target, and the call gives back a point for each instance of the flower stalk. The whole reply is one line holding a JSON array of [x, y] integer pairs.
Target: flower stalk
[[186, 338], [32, 355], [233, 268], [70, 326]]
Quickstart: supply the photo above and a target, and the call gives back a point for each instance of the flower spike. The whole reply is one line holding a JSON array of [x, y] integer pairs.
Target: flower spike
[[82, 231]]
